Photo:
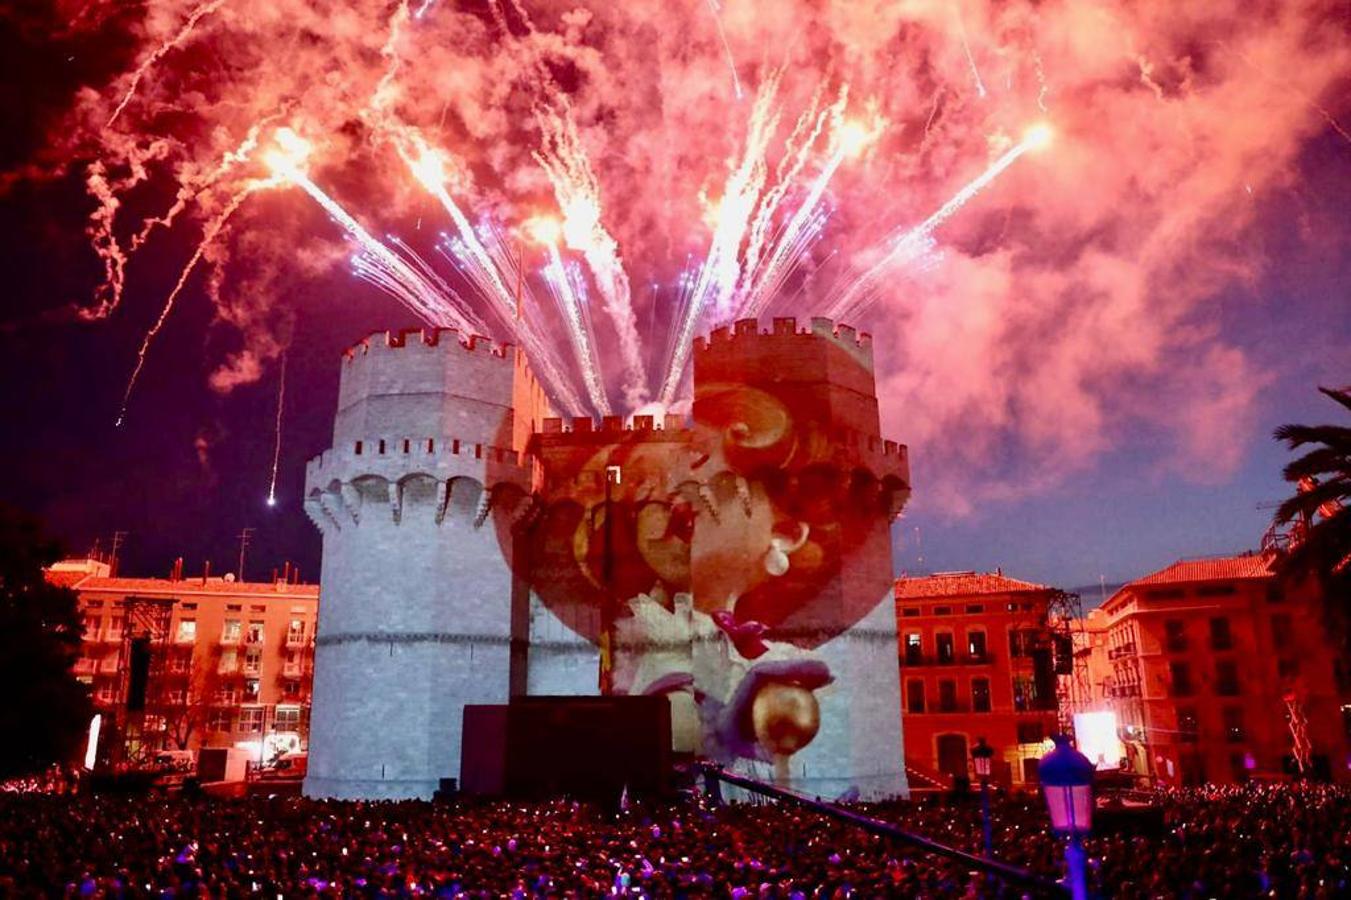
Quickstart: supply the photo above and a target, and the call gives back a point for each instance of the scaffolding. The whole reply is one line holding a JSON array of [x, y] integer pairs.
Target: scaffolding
[[1065, 621], [150, 618]]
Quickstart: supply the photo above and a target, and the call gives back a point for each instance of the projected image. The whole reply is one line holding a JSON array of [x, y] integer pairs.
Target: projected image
[[714, 562]]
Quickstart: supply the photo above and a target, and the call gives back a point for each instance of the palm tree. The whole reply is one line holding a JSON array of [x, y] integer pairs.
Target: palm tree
[[1320, 512]]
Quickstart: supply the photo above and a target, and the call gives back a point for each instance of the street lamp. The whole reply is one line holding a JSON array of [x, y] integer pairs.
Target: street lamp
[[1067, 780], [981, 755]]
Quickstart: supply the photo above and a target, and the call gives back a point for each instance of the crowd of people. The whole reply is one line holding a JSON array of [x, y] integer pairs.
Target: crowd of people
[[1278, 840]]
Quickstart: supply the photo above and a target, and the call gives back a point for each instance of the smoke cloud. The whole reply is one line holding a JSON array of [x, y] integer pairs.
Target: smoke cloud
[[1068, 301]]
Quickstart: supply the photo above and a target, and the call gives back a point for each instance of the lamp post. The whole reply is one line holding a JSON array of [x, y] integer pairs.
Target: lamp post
[[981, 754], [1067, 781]]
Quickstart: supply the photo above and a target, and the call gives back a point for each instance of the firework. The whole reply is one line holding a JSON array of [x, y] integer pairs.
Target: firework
[[547, 232], [912, 244], [276, 442]]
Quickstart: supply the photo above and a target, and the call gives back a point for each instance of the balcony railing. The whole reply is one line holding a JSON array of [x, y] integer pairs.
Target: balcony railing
[[296, 639], [1124, 690], [229, 639], [1120, 650]]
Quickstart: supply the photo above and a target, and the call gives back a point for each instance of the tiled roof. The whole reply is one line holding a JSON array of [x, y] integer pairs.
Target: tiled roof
[[66, 579], [961, 584], [1249, 565]]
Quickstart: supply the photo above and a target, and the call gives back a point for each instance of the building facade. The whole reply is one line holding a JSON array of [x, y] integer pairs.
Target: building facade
[[737, 561], [1218, 671], [228, 663], [977, 660]]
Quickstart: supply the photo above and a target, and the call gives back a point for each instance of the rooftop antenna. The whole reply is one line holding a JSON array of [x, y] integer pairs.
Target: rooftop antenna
[[118, 538], [244, 537]]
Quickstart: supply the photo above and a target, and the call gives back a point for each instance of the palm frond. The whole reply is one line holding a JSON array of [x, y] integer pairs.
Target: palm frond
[[1342, 396], [1330, 435], [1320, 463]]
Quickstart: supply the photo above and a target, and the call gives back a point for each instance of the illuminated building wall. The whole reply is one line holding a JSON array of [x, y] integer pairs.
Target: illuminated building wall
[[1205, 663], [975, 662], [237, 664], [737, 562]]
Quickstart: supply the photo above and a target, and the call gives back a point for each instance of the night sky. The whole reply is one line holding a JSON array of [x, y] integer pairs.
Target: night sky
[[190, 467]]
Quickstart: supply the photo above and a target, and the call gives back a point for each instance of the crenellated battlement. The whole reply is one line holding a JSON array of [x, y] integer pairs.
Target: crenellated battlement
[[380, 341], [785, 329], [612, 425]]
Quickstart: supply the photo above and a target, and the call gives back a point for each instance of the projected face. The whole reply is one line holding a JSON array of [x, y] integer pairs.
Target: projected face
[[710, 562]]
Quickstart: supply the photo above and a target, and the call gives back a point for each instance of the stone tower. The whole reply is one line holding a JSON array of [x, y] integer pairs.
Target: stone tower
[[420, 605]]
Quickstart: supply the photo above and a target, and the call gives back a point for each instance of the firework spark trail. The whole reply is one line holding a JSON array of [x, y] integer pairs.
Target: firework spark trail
[[209, 235], [808, 128], [204, 10], [436, 304], [276, 444], [577, 191], [718, 275], [192, 188], [726, 47], [429, 170], [913, 243], [966, 48], [574, 316], [802, 227]]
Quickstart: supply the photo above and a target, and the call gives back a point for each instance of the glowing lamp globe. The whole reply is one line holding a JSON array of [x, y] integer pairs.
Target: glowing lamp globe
[[981, 756], [1067, 781]]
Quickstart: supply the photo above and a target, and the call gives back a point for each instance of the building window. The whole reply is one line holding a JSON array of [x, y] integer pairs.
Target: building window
[[229, 661], [946, 647], [1221, 638], [1181, 674], [1226, 678], [187, 606], [91, 627], [251, 720], [1175, 635], [910, 611], [947, 695], [233, 607], [220, 720], [975, 646], [1275, 593], [1216, 590], [255, 635], [1021, 642], [187, 630], [227, 696], [1188, 725], [1282, 635], [230, 633], [180, 662], [914, 649], [1024, 693], [115, 628], [1031, 732], [253, 661], [1233, 724], [251, 688], [942, 610], [914, 695], [295, 632], [974, 609], [288, 718], [291, 688], [980, 694]]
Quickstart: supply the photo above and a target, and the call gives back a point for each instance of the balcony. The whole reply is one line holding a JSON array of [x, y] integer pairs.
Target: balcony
[[1124, 690], [985, 658], [296, 639], [1121, 650]]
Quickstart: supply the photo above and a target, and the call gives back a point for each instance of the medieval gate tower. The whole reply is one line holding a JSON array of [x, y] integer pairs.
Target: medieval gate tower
[[738, 561]]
